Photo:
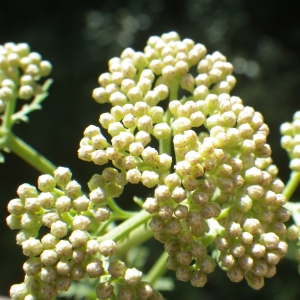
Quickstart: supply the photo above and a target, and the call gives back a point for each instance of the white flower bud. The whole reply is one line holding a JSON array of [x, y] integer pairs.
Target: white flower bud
[[149, 179], [78, 238], [63, 204], [94, 268], [18, 291], [59, 229], [107, 248], [32, 247], [270, 240], [145, 124], [32, 266], [63, 268], [162, 131], [81, 203], [62, 176], [63, 249], [49, 241], [81, 223], [26, 190], [16, 207], [49, 257], [132, 276], [143, 137]]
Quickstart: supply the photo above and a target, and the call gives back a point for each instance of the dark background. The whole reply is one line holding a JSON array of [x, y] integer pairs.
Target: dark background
[[261, 38]]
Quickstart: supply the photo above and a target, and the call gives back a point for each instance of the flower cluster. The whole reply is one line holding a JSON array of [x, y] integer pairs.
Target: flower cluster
[[69, 251], [290, 140], [212, 171], [20, 71]]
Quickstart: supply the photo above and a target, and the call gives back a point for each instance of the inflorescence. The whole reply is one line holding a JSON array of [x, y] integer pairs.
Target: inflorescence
[[175, 129]]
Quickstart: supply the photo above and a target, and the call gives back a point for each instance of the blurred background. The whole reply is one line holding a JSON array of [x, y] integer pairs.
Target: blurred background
[[261, 39]]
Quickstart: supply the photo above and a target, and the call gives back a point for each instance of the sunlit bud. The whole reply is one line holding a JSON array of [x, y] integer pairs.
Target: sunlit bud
[[238, 250], [257, 250], [172, 181], [181, 124], [59, 229], [62, 176], [295, 164], [143, 137], [222, 243], [227, 260], [63, 249], [282, 248], [234, 229], [149, 179], [101, 214], [32, 266], [14, 222], [183, 168], [32, 247], [78, 255], [272, 257], [100, 95], [92, 247], [178, 194], [162, 193], [251, 225], [201, 92], [94, 268], [18, 291], [78, 238], [156, 66], [162, 131], [49, 257], [166, 212], [26, 190], [245, 262], [49, 241], [270, 240], [150, 156]]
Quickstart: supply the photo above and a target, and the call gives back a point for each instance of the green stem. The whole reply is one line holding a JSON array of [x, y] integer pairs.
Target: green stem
[[10, 109], [28, 154], [119, 213], [122, 231], [158, 269], [138, 236], [291, 185], [165, 145]]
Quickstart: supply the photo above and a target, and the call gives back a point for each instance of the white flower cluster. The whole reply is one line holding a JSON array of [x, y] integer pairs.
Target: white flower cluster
[[223, 175], [290, 140], [69, 251], [13, 83]]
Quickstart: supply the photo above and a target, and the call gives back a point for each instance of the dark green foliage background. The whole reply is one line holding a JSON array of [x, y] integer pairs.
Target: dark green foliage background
[[78, 37]]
